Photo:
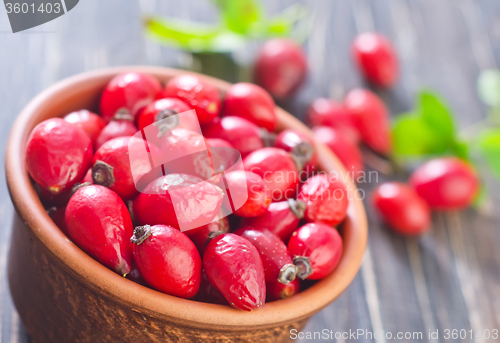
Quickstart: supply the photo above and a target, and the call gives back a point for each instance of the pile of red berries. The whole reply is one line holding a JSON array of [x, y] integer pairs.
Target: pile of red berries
[[284, 232]]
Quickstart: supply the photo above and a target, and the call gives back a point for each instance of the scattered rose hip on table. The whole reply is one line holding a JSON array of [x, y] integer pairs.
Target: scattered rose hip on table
[[242, 134], [401, 208], [281, 218], [326, 199], [198, 94], [128, 94], [281, 67], [251, 102], [376, 58], [316, 249], [99, 223], [371, 118], [167, 260], [446, 183], [234, 267], [249, 193], [115, 129], [276, 290], [326, 112], [278, 265], [89, 122], [347, 152], [277, 168], [58, 154], [300, 145], [178, 200]]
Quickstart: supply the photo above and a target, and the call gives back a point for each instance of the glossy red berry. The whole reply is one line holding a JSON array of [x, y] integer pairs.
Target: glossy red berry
[[281, 67], [371, 118], [401, 208], [251, 102], [446, 183], [118, 161], [277, 168], [167, 260], [234, 267], [347, 152], [89, 122], [198, 94], [88, 177], [99, 223], [50, 199], [249, 193], [58, 154], [316, 249], [243, 135], [223, 155], [281, 218], [199, 235], [208, 293], [128, 94], [115, 129], [277, 291], [179, 200], [326, 199], [135, 276], [278, 265], [326, 112], [376, 58], [57, 216], [301, 145]]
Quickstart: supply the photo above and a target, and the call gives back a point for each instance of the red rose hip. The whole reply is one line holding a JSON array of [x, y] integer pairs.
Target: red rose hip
[[128, 94], [234, 267], [98, 222], [251, 102], [326, 112], [242, 134], [115, 129], [281, 67], [208, 293], [316, 249], [278, 265], [371, 118], [300, 145], [376, 58], [199, 235], [277, 168], [179, 200], [198, 94], [167, 260], [281, 218], [58, 154], [446, 183], [401, 208], [89, 122], [347, 152], [277, 291], [326, 199], [241, 184]]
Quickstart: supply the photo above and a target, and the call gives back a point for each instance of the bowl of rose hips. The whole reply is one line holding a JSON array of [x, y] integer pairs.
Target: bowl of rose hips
[[97, 257]]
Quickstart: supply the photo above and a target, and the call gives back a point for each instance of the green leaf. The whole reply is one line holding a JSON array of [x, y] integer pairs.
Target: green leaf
[[436, 114], [488, 87], [191, 36], [240, 15], [461, 150], [489, 145], [413, 137]]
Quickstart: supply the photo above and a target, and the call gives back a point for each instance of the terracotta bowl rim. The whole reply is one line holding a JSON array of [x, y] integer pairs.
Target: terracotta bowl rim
[[147, 301]]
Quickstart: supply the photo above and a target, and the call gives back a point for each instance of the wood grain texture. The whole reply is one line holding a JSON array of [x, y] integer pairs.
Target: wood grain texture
[[447, 279]]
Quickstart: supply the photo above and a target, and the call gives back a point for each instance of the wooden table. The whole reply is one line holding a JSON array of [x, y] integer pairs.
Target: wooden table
[[447, 279]]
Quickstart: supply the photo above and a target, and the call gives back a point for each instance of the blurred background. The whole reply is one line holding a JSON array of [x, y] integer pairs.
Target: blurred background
[[446, 279]]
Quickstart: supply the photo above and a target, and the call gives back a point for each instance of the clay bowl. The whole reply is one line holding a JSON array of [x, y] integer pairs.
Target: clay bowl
[[63, 295]]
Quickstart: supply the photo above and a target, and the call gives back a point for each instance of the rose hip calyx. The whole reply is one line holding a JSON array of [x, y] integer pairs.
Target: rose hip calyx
[[304, 269], [166, 120], [301, 154], [141, 233], [123, 114], [267, 137], [102, 174], [212, 235], [287, 274], [298, 207], [78, 186]]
